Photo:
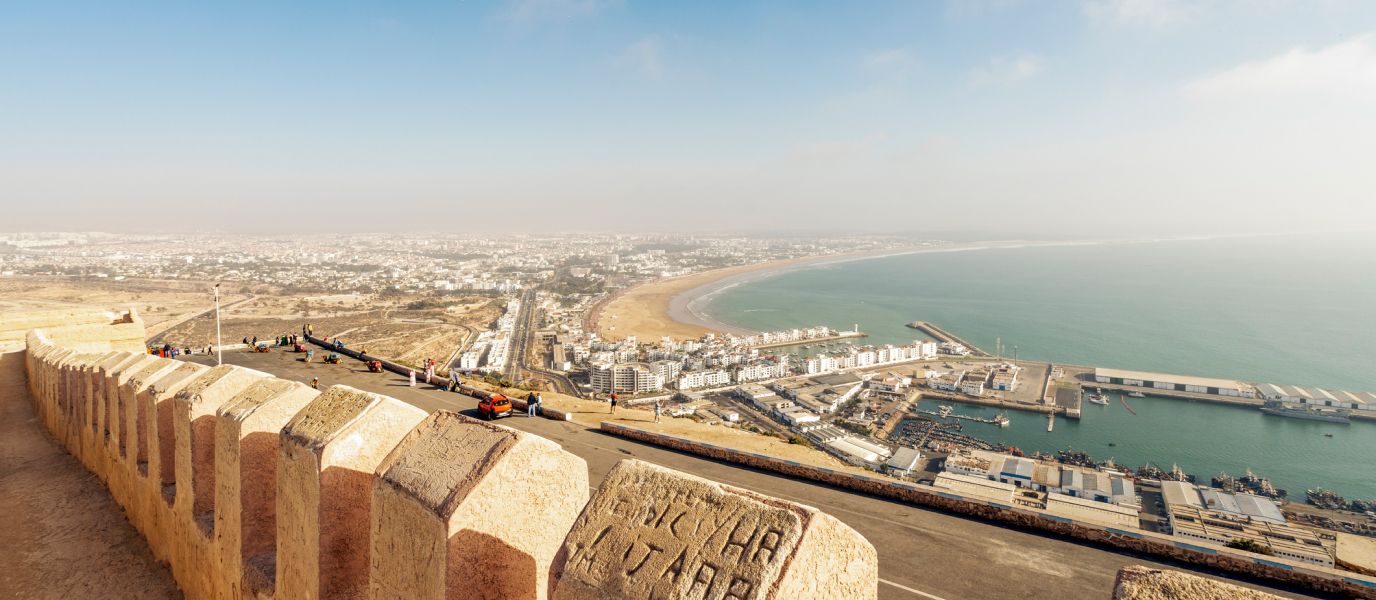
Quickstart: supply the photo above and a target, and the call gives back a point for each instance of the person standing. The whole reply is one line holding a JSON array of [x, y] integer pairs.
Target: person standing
[[309, 329], [658, 411], [530, 405], [413, 376], [613, 411], [454, 380], [315, 382]]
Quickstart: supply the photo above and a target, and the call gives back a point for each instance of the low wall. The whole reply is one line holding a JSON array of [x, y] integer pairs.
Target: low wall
[[1145, 542], [253, 487]]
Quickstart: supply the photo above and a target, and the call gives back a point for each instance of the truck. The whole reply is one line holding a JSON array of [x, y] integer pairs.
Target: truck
[[490, 406]]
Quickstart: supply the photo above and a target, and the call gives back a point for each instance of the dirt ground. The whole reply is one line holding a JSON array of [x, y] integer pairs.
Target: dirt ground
[[62, 536], [157, 302], [409, 335]]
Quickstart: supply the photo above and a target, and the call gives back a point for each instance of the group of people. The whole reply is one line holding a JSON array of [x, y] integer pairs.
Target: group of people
[[167, 351], [659, 408]]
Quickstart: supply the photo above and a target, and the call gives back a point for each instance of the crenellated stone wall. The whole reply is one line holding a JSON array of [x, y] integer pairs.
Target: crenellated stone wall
[[253, 487]]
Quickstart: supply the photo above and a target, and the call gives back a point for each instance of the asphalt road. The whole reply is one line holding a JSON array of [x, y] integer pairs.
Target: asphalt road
[[923, 553]]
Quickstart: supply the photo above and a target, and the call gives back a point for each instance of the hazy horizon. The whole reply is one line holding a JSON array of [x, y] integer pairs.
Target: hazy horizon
[[993, 118]]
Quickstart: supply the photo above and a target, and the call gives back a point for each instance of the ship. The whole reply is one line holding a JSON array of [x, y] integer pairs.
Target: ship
[[1137, 395], [1098, 399], [1281, 409], [1325, 499], [1001, 421]]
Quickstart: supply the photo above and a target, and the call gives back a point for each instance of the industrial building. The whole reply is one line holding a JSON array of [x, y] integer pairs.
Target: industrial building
[[1179, 383], [1316, 396], [1218, 517], [1068, 480], [976, 487], [1082, 509], [904, 461]]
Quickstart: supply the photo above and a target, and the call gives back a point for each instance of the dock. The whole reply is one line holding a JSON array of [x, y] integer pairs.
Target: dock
[[831, 338], [941, 336]]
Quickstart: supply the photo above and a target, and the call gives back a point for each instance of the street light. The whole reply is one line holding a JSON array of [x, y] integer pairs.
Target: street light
[[219, 354]]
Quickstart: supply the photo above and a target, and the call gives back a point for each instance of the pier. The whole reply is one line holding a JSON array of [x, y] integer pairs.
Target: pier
[[945, 413], [941, 336], [941, 396], [1210, 398]]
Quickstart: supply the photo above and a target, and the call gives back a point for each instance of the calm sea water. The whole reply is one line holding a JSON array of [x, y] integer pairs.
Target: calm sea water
[[1277, 309]]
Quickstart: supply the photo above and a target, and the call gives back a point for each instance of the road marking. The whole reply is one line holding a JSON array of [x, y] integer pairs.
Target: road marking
[[904, 587]]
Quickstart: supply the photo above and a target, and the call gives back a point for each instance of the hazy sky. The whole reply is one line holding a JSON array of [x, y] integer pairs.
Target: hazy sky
[[1043, 116]]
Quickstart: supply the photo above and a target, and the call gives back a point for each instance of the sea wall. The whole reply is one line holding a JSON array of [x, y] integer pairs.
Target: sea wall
[[1144, 542], [253, 487]]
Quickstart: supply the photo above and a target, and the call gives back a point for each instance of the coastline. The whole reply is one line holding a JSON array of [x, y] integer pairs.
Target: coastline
[[674, 306]]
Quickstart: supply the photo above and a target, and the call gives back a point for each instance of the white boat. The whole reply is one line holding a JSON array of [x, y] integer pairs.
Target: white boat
[[1098, 399], [1002, 421], [1137, 395]]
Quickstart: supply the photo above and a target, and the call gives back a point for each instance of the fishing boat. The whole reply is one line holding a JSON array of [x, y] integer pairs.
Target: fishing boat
[[1098, 399], [1137, 394], [1001, 421]]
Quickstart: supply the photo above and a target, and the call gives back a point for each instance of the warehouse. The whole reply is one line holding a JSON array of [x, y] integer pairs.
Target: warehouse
[[1179, 383], [904, 461]]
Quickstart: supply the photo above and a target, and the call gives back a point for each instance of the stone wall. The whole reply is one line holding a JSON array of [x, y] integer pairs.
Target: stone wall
[[1216, 557], [253, 487]]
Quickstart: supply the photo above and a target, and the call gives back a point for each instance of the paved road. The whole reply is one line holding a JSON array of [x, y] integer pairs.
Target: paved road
[[923, 553]]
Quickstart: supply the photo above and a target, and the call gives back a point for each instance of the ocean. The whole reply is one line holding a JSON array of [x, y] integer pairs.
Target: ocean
[[1285, 309]]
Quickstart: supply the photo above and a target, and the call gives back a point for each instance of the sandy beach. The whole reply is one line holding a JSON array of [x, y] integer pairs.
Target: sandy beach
[[673, 306]]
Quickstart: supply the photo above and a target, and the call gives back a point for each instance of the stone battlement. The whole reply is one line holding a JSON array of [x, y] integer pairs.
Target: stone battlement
[[253, 487]]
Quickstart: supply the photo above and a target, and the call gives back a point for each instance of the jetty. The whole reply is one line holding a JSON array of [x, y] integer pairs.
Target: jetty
[[945, 413], [941, 336]]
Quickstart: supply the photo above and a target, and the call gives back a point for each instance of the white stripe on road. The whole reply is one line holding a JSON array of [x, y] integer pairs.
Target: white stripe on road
[[904, 587]]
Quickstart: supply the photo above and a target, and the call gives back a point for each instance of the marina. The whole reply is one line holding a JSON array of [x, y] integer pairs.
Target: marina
[[1076, 318]]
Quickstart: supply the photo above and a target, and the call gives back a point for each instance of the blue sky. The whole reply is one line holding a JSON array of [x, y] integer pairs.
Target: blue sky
[[1153, 116]]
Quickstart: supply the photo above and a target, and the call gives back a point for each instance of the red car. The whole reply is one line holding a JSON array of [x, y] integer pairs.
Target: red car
[[490, 406]]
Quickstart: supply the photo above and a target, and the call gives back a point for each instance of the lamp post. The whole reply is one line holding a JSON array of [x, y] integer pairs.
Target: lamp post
[[219, 354]]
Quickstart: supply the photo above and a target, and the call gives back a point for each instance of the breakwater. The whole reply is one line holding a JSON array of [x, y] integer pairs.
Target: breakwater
[[942, 336]]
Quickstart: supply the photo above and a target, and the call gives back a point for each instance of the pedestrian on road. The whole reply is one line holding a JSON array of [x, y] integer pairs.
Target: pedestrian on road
[[310, 329], [530, 405], [613, 403], [315, 382], [413, 377], [658, 410], [454, 380], [255, 340]]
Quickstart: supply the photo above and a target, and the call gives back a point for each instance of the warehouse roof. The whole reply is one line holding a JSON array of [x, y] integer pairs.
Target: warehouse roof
[[1162, 377]]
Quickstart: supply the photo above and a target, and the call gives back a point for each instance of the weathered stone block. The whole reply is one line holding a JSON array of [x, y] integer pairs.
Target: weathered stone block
[[192, 558], [132, 432], [467, 509], [329, 452], [247, 430], [1142, 583], [157, 455], [651, 532]]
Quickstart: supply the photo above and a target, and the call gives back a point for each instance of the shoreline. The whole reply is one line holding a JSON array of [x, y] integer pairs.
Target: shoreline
[[674, 306], [661, 307]]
